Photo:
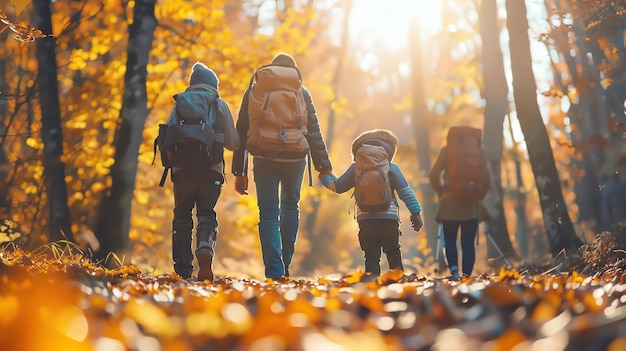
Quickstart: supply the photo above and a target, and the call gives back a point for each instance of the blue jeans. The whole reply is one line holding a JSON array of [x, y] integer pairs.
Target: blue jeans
[[278, 187], [468, 234], [199, 189]]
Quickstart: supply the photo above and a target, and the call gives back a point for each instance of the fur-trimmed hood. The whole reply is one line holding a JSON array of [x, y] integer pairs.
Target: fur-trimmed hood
[[384, 137]]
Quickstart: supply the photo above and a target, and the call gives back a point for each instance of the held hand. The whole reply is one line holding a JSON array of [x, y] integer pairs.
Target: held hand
[[329, 172], [328, 178], [241, 184], [417, 222]]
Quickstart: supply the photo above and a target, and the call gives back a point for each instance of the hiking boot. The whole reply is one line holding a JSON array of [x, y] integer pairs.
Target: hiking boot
[[205, 261], [181, 249], [454, 273]]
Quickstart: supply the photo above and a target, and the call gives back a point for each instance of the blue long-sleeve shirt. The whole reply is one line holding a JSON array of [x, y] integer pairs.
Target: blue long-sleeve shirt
[[398, 184]]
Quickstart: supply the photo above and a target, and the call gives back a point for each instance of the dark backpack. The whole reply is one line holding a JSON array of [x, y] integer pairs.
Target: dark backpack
[[372, 191], [277, 113], [193, 139], [466, 175]]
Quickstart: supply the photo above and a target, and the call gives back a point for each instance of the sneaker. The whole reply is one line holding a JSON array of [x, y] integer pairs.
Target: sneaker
[[205, 262], [455, 276]]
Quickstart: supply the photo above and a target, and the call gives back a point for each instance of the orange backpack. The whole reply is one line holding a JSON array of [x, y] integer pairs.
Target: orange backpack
[[465, 172], [277, 113]]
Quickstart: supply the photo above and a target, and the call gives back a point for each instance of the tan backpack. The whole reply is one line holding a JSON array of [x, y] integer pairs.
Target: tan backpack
[[278, 114], [372, 191]]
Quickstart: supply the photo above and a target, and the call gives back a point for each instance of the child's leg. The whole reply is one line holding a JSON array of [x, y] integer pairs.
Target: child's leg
[[450, 229], [370, 246], [390, 237], [468, 234]]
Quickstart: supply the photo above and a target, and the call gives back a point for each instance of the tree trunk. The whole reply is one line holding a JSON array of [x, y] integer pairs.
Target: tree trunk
[[522, 232], [421, 128], [588, 118], [590, 110], [557, 223], [597, 113], [4, 186], [114, 214], [496, 109], [59, 223]]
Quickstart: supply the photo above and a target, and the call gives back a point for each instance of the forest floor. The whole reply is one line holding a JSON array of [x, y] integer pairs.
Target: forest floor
[[56, 299]]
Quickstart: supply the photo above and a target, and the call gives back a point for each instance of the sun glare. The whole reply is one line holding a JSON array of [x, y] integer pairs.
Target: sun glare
[[375, 21]]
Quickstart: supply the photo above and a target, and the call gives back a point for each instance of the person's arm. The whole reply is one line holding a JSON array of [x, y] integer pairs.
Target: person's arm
[[436, 170], [240, 156], [338, 185], [319, 154], [407, 195], [231, 137]]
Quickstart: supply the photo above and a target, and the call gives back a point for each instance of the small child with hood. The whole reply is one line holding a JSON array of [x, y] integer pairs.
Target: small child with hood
[[379, 229]]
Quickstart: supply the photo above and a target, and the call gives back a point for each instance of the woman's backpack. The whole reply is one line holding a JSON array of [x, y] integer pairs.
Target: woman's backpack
[[277, 113], [466, 173]]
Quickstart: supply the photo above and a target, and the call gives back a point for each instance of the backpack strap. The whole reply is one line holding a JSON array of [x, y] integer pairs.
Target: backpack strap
[[214, 119], [308, 156], [156, 142], [164, 176], [352, 204], [252, 79]]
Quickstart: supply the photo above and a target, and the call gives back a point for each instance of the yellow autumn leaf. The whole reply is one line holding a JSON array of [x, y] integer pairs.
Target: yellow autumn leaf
[[32, 142], [152, 318], [354, 277], [19, 5], [142, 196]]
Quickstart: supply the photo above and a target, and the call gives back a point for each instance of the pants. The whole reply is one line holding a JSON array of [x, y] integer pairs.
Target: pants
[[377, 234], [278, 187], [468, 234], [200, 190]]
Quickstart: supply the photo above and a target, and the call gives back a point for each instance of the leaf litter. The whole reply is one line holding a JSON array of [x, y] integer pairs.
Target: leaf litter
[[55, 298]]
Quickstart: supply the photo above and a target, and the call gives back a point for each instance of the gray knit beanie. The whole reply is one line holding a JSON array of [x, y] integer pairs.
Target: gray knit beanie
[[201, 74]]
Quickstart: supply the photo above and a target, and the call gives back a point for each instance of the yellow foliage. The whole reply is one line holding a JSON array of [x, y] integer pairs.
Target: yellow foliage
[[10, 310], [34, 143], [19, 5], [142, 197]]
